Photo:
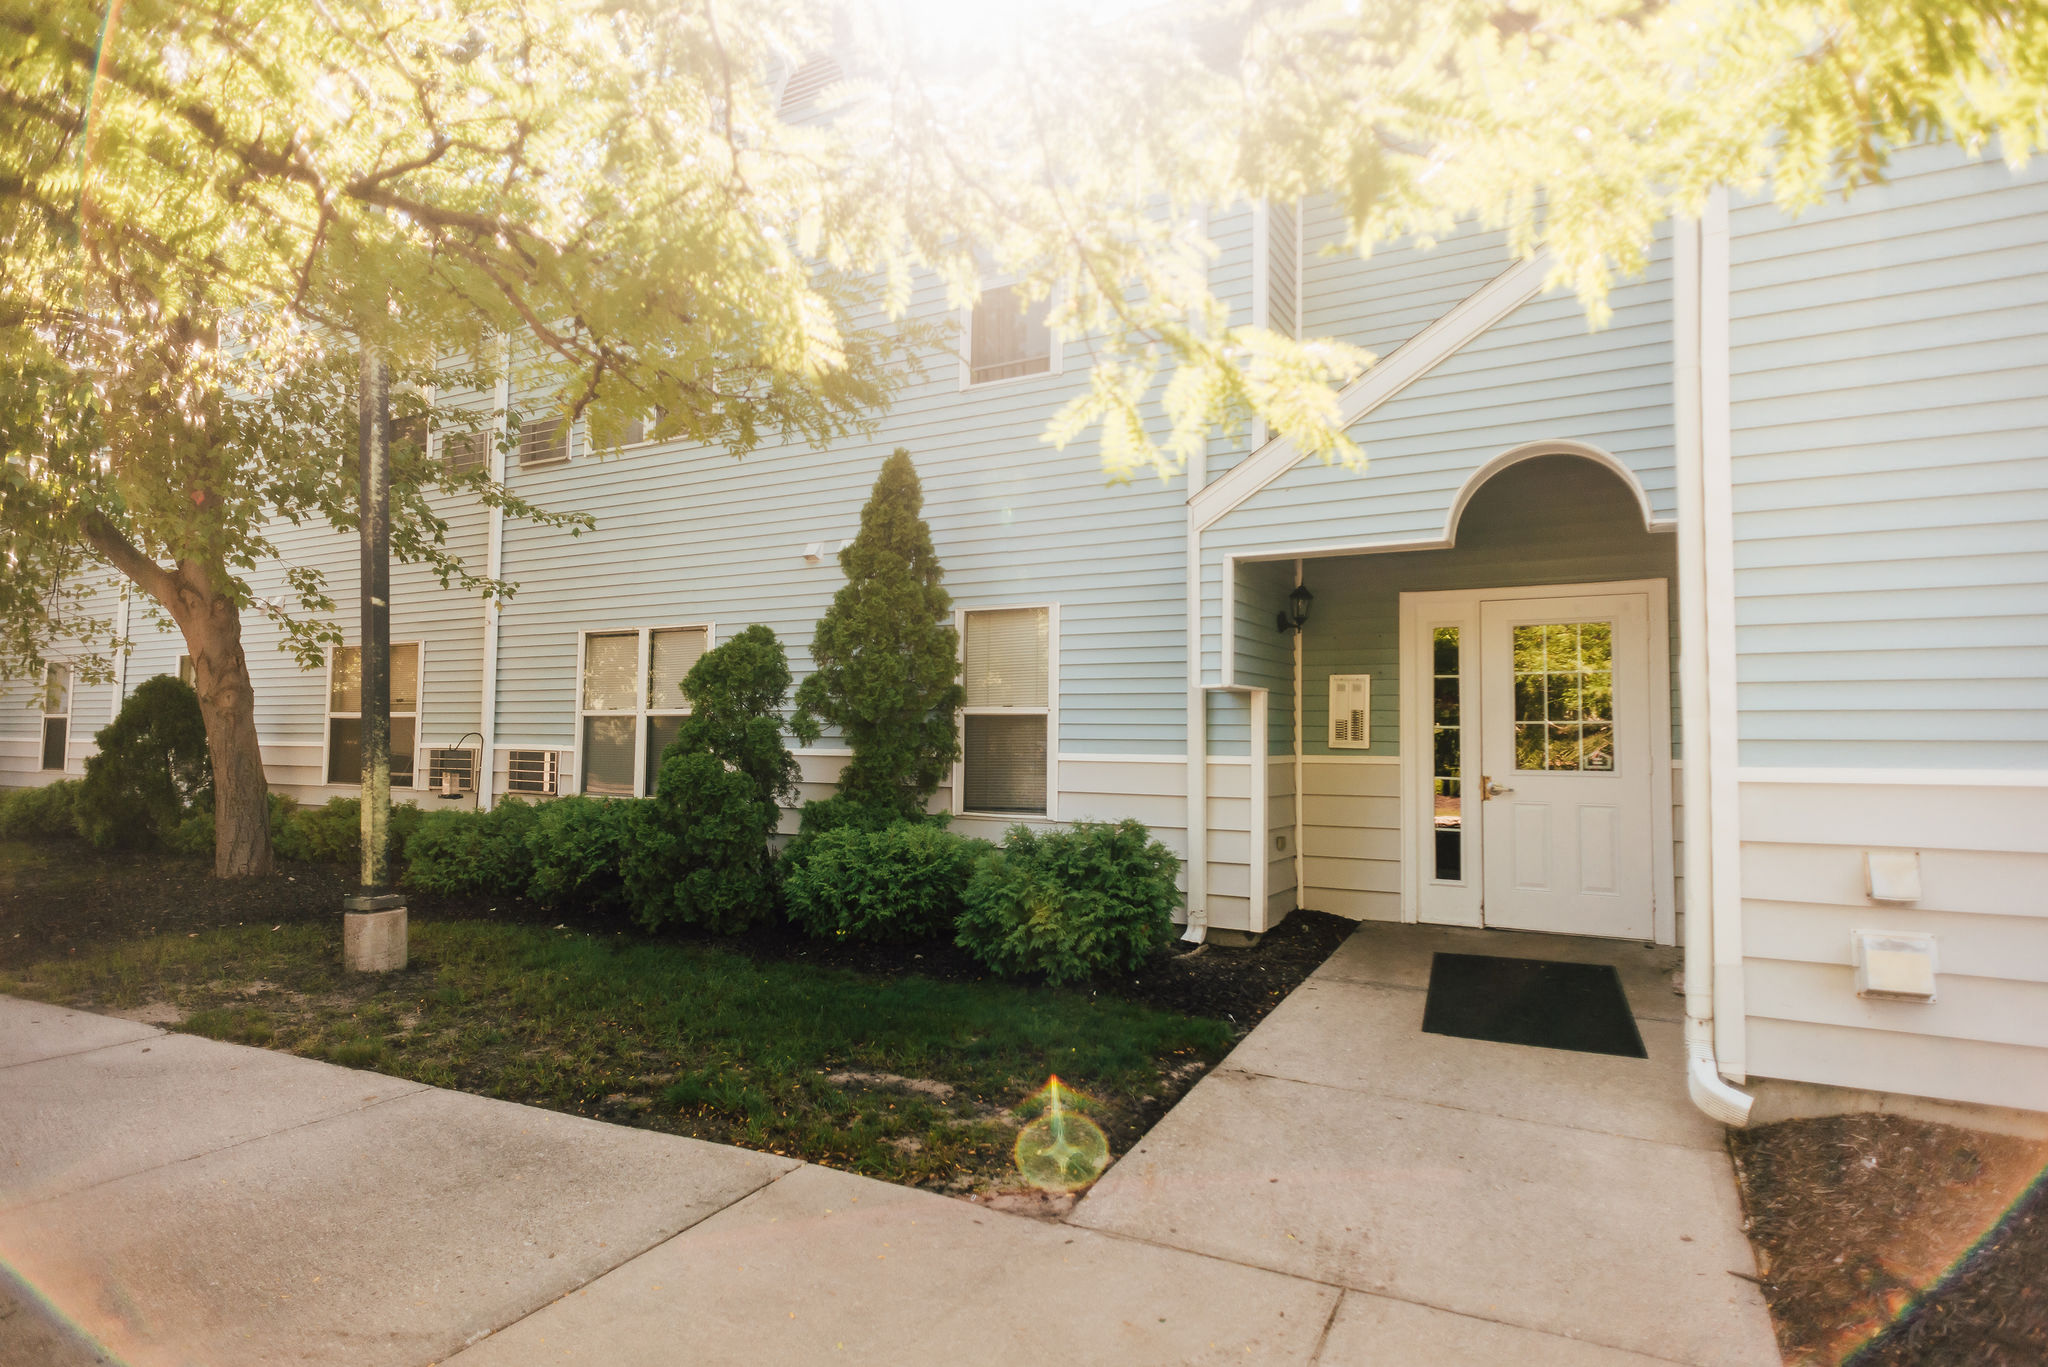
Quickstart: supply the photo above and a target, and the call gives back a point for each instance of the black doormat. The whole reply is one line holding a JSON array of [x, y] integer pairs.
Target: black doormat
[[1531, 1001]]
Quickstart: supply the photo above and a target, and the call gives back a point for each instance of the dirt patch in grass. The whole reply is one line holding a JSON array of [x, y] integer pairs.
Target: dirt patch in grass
[[1890, 1242], [909, 1063]]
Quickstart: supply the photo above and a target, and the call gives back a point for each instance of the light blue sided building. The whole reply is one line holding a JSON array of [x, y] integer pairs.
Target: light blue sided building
[[1725, 625]]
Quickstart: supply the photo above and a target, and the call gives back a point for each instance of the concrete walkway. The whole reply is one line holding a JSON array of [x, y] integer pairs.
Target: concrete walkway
[[1341, 1191], [1479, 1203]]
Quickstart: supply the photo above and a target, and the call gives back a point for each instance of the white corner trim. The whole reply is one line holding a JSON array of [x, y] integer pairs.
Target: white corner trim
[[1413, 359], [1912, 778]]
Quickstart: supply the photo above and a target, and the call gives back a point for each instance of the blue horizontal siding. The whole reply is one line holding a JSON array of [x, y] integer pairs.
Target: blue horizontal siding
[[1890, 435]]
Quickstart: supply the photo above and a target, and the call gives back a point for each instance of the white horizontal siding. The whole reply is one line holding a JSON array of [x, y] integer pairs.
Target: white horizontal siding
[[1351, 838], [1983, 859]]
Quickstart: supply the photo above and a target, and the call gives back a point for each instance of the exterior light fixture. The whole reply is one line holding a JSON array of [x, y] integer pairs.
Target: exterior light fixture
[[1294, 616]]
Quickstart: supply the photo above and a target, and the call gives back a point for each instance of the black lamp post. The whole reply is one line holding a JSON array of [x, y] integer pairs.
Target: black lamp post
[[374, 927], [1294, 616]]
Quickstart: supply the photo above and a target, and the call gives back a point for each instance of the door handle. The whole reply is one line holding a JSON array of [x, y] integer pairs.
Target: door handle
[[1493, 789]]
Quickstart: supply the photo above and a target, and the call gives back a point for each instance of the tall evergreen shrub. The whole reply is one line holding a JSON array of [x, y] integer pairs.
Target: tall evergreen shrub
[[151, 770], [887, 657], [699, 846]]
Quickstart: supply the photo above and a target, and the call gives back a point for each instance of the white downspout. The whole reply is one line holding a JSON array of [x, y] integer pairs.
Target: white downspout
[[1198, 746], [1300, 817], [494, 566], [1709, 1092]]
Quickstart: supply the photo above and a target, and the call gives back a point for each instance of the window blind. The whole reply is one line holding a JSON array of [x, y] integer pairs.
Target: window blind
[[608, 756], [1005, 764], [1009, 337], [1006, 658], [57, 691], [345, 750], [608, 664], [345, 684], [670, 654], [660, 732]]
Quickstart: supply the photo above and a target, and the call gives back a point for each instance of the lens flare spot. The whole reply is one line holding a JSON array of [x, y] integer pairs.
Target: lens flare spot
[[1061, 1149]]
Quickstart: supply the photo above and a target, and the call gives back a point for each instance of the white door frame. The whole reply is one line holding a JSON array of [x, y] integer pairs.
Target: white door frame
[[1421, 611]]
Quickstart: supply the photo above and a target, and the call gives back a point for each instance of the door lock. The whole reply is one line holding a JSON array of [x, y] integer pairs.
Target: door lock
[[1493, 789]]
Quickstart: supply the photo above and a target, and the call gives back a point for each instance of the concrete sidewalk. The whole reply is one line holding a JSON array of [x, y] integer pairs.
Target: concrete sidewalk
[[190, 1202], [1343, 1190]]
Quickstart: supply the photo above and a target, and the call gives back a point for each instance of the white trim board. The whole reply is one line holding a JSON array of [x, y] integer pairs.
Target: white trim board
[[1413, 359]]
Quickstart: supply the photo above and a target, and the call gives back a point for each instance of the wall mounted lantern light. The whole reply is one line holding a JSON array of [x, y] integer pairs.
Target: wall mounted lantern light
[[1294, 616]]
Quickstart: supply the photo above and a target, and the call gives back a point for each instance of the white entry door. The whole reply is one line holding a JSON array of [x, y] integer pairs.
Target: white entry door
[[1565, 765]]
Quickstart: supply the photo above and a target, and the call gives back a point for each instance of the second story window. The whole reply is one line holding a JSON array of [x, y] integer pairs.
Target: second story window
[[1007, 337]]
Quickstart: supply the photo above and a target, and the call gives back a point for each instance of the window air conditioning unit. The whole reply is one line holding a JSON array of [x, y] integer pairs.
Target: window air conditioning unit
[[532, 771], [1350, 711], [451, 773]]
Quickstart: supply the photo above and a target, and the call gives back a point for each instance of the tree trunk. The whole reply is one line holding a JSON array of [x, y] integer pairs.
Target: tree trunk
[[227, 700], [212, 625]]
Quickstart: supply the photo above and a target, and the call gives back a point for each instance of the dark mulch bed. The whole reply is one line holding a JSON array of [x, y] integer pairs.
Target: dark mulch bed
[[56, 900], [1889, 1242]]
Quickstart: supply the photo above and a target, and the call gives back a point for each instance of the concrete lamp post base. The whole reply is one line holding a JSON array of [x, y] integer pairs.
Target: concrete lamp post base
[[373, 938]]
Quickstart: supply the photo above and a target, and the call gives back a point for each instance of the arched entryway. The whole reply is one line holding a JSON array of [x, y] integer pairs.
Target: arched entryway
[[1533, 655]]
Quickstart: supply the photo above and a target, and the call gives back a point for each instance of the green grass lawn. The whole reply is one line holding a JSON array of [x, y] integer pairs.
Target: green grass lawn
[[688, 1038]]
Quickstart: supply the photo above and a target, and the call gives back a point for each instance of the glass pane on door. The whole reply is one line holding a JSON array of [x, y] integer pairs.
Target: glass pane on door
[[1447, 742], [1564, 697]]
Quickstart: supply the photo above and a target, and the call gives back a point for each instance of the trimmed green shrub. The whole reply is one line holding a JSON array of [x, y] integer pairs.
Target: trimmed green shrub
[[1071, 904], [576, 847], [834, 813], [887, 656], [332, 833], [192, 836], [698, 851], [151, 770], [903, 882], [471, 851], [45, 813]]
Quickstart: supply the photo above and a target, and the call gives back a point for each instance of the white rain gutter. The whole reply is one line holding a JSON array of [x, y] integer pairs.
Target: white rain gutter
[[1709, 1092], [1198, 748]]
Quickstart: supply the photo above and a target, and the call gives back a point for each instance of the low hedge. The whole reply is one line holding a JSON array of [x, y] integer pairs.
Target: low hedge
[[902, 882], [46, 813], [1071, 904], [471, 851]]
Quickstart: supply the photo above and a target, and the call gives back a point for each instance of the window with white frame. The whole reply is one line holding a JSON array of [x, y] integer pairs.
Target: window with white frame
[[1005, 724], [56, 715], [639, 431], [345, 713], [632, 705], [1007, 336]]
